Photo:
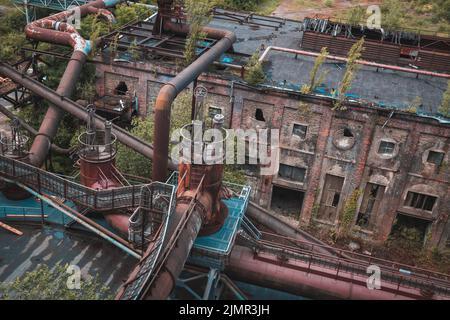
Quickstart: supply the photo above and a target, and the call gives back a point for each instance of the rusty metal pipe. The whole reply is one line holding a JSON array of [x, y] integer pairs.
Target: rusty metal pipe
[[50, 123], [169, 92], [77, 110], [166, 281], [55, 29]]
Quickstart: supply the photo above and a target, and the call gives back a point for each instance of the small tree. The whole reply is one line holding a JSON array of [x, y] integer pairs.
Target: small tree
[[114, 46], [356, 15], [350, 71], [444, 109], [125, 13], [254, 73], [314, 82], [393, 13], [133, 50], [131, 162], [46, 284], [198, 15]]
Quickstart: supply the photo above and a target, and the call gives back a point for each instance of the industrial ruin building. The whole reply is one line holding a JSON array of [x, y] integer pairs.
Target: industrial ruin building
[[390, 144]]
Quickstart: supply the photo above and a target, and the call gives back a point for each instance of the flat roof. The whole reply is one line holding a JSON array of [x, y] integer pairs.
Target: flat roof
[[390, 89]]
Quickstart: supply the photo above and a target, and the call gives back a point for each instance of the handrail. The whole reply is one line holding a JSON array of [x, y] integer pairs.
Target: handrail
[[354, 266], [174, 238], [46, 182], [133, 288], [350, 255]]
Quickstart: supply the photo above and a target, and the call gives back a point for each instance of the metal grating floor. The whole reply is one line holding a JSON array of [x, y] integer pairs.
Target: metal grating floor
[[221, 241]]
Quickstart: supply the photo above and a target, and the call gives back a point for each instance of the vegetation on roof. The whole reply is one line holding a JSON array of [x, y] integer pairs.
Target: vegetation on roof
[[314, 80], [444, 109], [350, 71], [254, 73], [198, 15]]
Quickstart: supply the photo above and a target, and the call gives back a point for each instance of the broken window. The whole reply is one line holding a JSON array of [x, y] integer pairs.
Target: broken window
[[259, 115], [287, 201], [212, 111], [410, 228], [331, 198], [386, 148], [344, 139], [292, 173], [299, 130], [373, 195], [121, 89], [435, 157], [420, 201], [336, 197], [348, 133]]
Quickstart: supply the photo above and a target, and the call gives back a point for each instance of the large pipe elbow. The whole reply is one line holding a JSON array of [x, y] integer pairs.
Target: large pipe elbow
[[164, 101], [169, 92]]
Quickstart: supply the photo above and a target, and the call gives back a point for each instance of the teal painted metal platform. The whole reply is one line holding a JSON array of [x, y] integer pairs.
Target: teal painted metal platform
[[212, 251]]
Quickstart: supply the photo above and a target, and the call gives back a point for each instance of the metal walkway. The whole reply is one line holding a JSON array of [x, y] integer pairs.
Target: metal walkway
[[44, 182], [346, 266]]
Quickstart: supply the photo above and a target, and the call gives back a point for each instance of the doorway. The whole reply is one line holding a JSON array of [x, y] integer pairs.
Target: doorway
[[287, 202]]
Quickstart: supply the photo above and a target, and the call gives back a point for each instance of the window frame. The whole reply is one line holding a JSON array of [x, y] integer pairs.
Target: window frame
[[385, 153], [216, 108], [418, 201], [291, 173], [442, 157], [294, 124]]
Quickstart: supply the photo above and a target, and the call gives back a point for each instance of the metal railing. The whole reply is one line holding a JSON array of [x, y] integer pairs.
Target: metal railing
[[21, 213], [402, 276], [59, 5], [156, 196], [45, 182]]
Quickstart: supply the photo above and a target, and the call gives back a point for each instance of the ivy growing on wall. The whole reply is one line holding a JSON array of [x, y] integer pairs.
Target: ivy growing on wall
[[348, 214]]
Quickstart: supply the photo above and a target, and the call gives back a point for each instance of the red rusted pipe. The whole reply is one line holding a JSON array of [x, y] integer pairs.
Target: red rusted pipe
[[169, 92], [55, 29], [268, 271]]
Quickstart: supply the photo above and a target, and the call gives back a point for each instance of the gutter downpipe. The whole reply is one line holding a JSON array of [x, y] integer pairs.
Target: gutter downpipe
[[56, 29], [169, 92], [363, 62]]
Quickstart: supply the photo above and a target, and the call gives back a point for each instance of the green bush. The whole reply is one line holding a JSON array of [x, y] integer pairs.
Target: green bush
[[254, 73], [245, 5], [46, 284], [329, 3]]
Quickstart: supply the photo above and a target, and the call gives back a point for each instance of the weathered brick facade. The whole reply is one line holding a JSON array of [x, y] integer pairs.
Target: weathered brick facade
[[347, 150]]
